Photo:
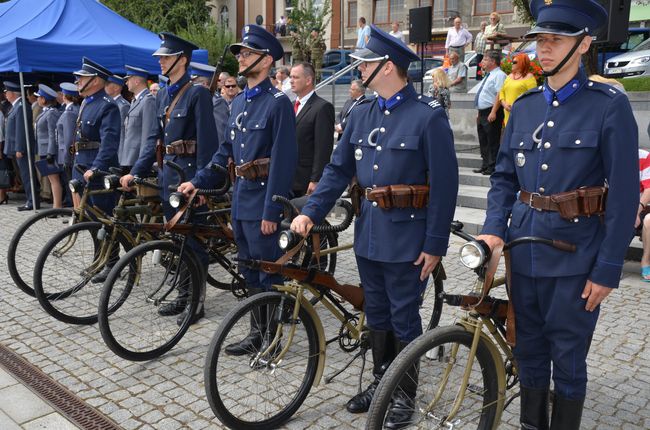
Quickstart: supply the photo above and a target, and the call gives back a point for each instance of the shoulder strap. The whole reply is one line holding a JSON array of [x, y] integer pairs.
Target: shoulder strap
[[172, 105]]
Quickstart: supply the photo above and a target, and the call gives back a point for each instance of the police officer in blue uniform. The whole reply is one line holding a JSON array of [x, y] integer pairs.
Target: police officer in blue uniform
[[398, 138], [261, 127], [97, 135], [16, 142], [186, 128], [202, 74], [45, 127], [113, 88], [569, 134], [65, 134]]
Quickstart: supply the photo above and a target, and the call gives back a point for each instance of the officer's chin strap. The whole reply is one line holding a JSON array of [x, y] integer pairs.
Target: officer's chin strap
[[566, 58], [373, 74], [248, 69], [86, 86], [169, 71]]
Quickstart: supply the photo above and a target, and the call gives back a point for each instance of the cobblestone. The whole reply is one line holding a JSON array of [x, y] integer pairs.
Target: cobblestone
[[168, 393]]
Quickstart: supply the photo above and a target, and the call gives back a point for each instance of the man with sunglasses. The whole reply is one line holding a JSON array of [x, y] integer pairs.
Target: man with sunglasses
[[229, 91], [401, 149], [569, 147], [260, 139], [187, 134]]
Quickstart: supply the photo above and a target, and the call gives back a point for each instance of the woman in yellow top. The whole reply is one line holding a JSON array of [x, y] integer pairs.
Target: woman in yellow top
[[518, 82]]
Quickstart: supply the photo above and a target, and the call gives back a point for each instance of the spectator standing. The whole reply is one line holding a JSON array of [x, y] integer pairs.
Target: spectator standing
[[457, 38], [154, 88], [518, 82], [457, 73], [314, 130], [395, 31], [489, 120], [642, 223], [357, 95], [5, 162], [363, 33], [493, 29], [440, 89], [284, 82], [479, 48], [230, 91], [317, 50], [65, 130]]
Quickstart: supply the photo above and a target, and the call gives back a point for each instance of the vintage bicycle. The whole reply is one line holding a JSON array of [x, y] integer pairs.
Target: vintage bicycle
[[463, 375], [264, 388]]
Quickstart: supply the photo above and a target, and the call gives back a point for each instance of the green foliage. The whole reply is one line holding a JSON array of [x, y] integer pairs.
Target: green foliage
[[214, 38], [162, 15], [304, 17], [636, 84], [523, 11]]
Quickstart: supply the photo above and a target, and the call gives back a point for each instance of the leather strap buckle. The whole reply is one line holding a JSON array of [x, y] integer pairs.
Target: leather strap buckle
[[530, 201], [366, 192]]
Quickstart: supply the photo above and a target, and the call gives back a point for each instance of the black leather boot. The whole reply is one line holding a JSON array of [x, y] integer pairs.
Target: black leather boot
[[383, 353], [200, 311], [101, 276], [179, 304], [403, 403], [252, 342], [534, 409], [567, 413]]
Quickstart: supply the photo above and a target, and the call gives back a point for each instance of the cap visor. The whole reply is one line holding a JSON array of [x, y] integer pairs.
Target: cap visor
[[544, 30], [366, 54], [83, 73], [236, 47], [165, 52]]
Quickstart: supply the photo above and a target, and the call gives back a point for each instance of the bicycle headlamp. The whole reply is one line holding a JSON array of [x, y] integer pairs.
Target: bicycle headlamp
[[76, 186], [111, 182], [474, 254], [176, 199], [288, 239]]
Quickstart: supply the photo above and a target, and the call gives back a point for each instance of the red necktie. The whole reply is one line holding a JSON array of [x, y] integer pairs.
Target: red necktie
[[295, 106]]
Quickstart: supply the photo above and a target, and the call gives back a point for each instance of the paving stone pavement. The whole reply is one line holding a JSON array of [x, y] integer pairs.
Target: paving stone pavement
[[168, 393]]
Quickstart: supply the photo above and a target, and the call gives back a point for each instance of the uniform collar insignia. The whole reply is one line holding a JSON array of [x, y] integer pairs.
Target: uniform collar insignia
[[98, 95], [259, 89], [396, 99], [173, 89], [564, 93]]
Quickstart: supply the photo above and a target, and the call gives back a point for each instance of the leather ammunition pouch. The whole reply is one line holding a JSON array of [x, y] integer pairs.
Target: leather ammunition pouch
[[585, 201], [86, 145], [254, 170], [183, 148], [398, 196]]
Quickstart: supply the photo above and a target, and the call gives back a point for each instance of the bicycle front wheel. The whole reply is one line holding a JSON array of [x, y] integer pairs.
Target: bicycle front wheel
[[433, 366], [249, 389], [145, 279], [28, 239]]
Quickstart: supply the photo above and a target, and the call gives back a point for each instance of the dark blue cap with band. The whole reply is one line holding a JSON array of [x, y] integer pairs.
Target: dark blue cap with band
[[46, 92], [69, 89], [566, 17], [382, 45], [91, 68], [136, 71], [170, 44], [200, 69], [257, 39], [114, 79], [11, 86]]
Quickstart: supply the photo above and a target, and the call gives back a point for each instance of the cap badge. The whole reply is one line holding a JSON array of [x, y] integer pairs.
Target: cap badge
[[548, 2], [246, 28]]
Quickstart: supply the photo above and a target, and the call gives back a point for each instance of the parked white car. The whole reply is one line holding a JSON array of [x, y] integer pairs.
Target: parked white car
[[632, 64]]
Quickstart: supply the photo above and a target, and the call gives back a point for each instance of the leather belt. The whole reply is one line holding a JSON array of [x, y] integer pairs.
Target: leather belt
[[538, 201], [182, 148], [86, 145]]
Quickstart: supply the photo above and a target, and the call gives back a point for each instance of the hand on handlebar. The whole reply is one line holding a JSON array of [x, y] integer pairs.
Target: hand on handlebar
[[88, 175], [491, 240], [429, 262], [125, 181], [302, 224], [186, 188]]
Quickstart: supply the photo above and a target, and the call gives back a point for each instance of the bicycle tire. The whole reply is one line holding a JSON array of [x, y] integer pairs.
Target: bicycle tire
[[222, 265], [128, 313], [225, 375], [42, 225], [76, 304], [438, 302], [441, 340]]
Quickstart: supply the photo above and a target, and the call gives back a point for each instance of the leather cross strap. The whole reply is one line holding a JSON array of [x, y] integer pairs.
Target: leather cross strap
[[172, 222], [172, 105]]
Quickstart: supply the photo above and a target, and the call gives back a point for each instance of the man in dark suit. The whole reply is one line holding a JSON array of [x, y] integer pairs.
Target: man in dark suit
[[357, 95], [314, 129]]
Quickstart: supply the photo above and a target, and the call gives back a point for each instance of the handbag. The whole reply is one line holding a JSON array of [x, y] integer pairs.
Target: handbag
[[5, 178]]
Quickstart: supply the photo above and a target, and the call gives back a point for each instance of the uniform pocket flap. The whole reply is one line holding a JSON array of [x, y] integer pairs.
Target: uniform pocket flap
[[359, 138], [522, 141], [256, 124], [179, 113], [578, 139], [405, 142]]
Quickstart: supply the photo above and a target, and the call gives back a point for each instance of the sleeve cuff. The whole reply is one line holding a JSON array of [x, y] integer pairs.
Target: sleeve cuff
[[273, 212], [494, 227], [606, 274], [435, 245]]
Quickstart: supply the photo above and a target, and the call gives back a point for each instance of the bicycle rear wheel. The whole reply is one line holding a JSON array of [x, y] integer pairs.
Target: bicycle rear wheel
[[249, 392], [441, 355], [143, 280], [27, 241]]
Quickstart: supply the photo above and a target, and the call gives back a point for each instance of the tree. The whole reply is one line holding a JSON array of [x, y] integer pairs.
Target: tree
[[306, 15]]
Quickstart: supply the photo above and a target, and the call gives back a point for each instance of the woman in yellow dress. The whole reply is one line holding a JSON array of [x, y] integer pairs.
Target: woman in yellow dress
[[518, 82]]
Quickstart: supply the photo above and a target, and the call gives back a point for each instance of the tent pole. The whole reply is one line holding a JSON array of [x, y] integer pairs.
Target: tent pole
[[29, 144]]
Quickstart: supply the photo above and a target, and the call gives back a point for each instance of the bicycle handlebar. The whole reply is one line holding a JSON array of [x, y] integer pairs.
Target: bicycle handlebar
[[322, 228]]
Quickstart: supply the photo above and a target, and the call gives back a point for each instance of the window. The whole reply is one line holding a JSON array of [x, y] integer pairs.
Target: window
[[331, 59], [485, 7], [388, 11], [352, 14], [445, 8]]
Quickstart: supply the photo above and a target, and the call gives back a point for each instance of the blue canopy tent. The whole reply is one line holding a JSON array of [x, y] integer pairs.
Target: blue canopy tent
[[54, 35]]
